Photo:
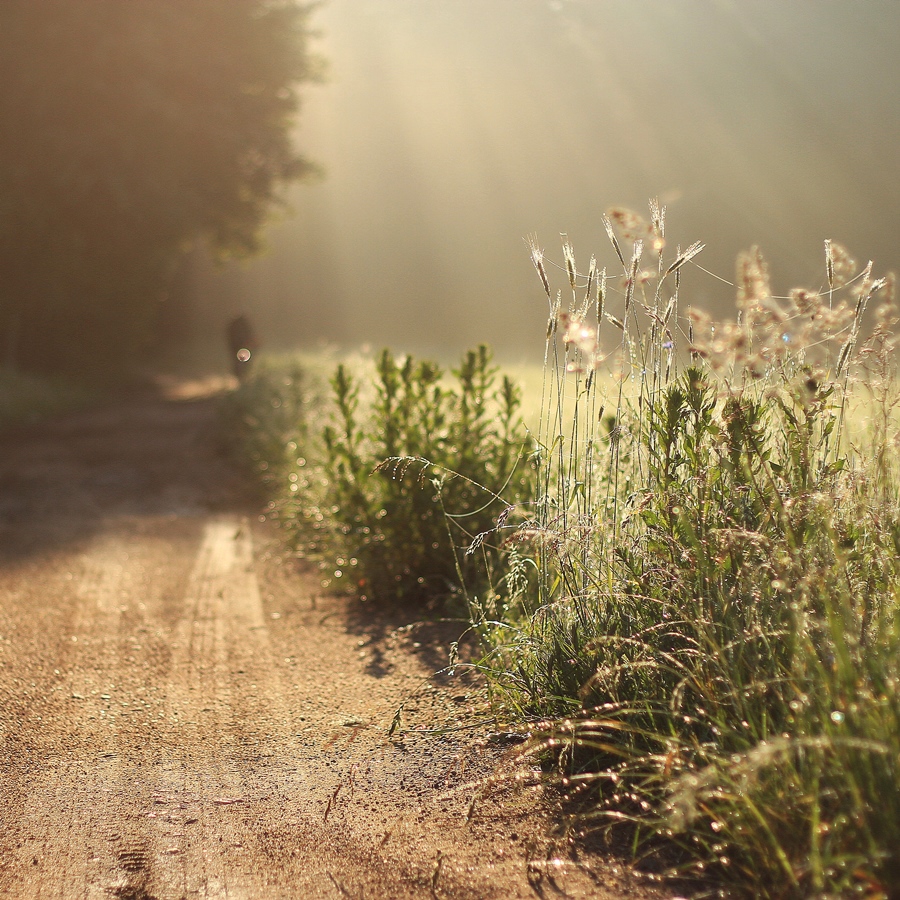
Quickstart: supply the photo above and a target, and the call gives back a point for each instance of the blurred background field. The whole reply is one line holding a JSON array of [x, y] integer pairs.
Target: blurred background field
[[433, 137], [450, 130], [26, 398]]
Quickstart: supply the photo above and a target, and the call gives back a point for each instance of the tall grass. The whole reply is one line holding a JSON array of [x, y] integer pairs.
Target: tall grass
[[701, 612]]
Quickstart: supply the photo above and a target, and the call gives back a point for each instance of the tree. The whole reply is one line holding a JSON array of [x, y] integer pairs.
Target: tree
[[128, 130]]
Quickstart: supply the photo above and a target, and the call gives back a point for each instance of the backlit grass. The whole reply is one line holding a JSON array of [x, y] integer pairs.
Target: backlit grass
[[704, 631], [687, 587]]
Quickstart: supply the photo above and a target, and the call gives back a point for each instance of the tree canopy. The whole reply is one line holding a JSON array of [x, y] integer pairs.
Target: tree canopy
[[127, 131]]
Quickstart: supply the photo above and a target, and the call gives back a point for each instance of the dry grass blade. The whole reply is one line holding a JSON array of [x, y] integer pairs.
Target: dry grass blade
[[340, 888], [601, 296], [571, 271], [829, 264], [633, 270], [331, 801], [689, 254], [592, 278], [537, 259], [658, 224], [614, 241], [670, 308]]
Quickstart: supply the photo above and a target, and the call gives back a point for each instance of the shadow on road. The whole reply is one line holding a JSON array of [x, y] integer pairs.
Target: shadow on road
[[65, 479]]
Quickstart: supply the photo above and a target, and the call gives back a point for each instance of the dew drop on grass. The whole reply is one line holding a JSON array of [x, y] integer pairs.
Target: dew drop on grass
[[837, 717]]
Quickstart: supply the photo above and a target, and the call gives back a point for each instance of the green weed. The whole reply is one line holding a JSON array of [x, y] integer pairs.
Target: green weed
[[418, 477], [394, 479]]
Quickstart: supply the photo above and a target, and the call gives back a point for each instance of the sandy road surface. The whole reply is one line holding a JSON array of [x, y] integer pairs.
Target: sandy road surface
[[182, 715]]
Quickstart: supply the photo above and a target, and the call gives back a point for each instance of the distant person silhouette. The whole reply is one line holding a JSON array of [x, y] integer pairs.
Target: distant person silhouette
[[242, 345]]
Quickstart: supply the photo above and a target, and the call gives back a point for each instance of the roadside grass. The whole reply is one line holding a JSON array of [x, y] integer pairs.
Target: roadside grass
[[391, 473], [702, 627], [28, 398], [688, 564]]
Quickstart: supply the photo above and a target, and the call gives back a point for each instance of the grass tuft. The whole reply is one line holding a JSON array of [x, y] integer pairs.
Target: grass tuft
[[701, 622]]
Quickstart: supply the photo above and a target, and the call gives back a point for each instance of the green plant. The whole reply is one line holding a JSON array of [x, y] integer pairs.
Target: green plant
[[268, 420], [415, 479], [710, 643]]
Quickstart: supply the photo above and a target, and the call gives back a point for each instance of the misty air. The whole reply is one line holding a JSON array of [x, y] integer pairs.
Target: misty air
[[449, 449]]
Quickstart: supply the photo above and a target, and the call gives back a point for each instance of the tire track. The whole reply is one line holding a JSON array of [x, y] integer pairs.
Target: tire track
[[220, 641], [199, 783], [68, 823]]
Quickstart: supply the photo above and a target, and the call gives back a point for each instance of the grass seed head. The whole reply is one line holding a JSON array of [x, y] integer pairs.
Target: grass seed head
[[806, 302], [632, 226], [752, 280], [840, 266], [537, 258]]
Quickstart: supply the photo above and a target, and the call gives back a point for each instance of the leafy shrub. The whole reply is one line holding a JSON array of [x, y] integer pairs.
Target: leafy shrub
[[416, 479], [393, 484]]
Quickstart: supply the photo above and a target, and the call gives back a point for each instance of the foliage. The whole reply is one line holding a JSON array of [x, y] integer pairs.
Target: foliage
[[130, 129], [712, 638], [394, 484], [26, 398], [267, 420], [416, 479]]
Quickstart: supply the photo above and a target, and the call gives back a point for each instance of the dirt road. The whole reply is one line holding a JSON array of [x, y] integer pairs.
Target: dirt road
[[183, 715]]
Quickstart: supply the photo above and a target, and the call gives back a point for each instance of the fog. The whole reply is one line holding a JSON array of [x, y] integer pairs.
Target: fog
[[448, 130]]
